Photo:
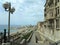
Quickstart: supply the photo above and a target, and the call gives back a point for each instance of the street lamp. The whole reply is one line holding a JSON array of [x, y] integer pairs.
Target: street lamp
[[7, 7]]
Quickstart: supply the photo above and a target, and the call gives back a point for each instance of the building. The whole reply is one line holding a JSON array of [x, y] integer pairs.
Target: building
[[52, 14], [51, 25]]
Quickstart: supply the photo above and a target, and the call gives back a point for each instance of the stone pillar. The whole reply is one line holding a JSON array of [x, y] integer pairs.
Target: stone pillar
[[55, 18], [54, 31], [54, 27], [59, 23]]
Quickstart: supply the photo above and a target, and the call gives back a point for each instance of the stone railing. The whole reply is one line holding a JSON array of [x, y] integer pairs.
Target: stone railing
[[23, 42], [29, 37], [49, 34]]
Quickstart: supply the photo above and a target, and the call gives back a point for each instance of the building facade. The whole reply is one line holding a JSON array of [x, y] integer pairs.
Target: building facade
[[50, 28], [52, 15]]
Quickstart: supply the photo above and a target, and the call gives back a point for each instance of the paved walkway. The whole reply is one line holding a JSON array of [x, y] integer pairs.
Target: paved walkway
[[33, 40]]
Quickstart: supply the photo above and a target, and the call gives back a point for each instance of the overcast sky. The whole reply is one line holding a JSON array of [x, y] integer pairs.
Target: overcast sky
[[26, 12]]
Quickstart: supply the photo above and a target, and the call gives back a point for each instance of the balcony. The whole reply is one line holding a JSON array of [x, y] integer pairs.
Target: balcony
[[49, 17]]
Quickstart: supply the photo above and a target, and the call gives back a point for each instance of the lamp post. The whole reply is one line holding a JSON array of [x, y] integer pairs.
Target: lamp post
[[7, 7]]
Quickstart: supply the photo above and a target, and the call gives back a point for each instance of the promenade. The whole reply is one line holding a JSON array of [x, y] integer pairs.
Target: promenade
[[34, 41], [21, 37]]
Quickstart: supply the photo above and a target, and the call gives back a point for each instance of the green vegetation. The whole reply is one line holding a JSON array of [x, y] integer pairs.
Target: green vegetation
[[27, 35]]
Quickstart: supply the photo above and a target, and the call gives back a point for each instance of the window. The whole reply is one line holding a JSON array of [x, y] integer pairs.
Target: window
[[57, 0], [57, 23], [57, 11], [51, 24], [50, 2], [45, 15], [45, 9], [51, 13]]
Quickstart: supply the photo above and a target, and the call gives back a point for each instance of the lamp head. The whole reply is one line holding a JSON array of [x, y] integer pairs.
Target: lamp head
[[6, 5], [12, 10]]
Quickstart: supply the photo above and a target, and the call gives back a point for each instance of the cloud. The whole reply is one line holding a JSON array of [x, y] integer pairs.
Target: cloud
[[12, 1], [26, 11]]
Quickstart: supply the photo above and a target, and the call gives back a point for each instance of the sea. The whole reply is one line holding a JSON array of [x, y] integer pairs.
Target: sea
[[2, 27]]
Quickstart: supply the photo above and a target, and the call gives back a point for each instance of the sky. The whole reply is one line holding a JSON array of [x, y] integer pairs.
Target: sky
[[26, 12]]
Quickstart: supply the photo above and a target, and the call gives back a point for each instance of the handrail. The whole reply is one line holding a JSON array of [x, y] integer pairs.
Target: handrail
[[23, 42], [29, 37]]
